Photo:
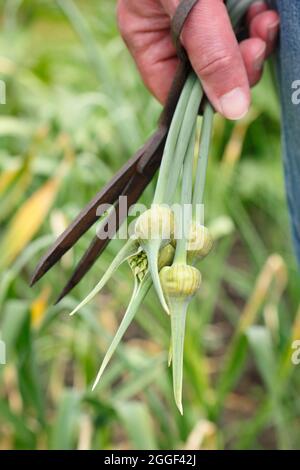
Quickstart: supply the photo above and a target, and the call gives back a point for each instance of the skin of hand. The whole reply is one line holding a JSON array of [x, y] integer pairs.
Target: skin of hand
[[226, 68]]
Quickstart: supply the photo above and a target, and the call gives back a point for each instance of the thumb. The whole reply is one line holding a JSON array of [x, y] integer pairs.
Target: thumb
[[214, 53]]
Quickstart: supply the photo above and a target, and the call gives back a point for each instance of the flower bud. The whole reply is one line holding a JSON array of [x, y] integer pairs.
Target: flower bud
[[200, 242], [139, 262], [156, 223], [180, 281], [166, 256], [139, 265]]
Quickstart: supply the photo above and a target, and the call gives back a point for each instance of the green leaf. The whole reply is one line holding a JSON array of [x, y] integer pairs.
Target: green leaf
[[15, 314], [23, 435], [16, 333], [29, 378], [142, 376], [64, 429], [260, 341], [138, 424]]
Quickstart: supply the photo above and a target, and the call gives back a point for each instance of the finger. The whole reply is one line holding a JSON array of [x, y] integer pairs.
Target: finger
[[255, 9], [266, 27], [215, 55], [253, 52], [146, 32], [157, 65]]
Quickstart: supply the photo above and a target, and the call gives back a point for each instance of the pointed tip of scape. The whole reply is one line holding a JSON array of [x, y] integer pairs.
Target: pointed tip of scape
[[180, 408]]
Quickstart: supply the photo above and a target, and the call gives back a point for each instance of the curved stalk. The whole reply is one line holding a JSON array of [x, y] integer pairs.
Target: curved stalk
[[139, 293], [178, 308], [129, 249], [152, 251]]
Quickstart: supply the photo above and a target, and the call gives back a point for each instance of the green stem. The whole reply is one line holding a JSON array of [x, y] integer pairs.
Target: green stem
[[237, 9], [172, 139], [205, 139], [178, 308], [184, 217], [139, 293], [152, 251], [189, 119]]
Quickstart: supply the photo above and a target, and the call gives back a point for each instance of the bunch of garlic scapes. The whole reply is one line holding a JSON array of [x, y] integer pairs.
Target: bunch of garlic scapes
[[167, 244]]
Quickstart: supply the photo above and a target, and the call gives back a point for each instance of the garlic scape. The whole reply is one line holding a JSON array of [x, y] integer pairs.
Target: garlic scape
[[154, 229], [138, 295], [142, 285], [180, 282], [200, 243], [130, 249]]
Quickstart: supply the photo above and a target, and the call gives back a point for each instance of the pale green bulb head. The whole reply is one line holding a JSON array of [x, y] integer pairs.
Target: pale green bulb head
[[156, 223], [180, 281]]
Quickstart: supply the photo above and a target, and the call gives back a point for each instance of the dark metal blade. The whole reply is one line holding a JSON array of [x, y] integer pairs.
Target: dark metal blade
[[133, 191], [87, 217]]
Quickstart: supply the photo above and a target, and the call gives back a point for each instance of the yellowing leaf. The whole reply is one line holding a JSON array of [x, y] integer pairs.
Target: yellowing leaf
[[14, 195], [39, 307], [273, 275], [202, 437], [27, 221], [6, 178], [13, 184], [233, 150]]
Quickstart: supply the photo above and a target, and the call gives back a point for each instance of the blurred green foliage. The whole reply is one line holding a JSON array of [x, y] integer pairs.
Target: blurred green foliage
[[76, 110]]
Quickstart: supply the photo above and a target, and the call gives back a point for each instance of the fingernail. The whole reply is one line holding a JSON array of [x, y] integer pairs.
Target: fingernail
[[259, 59], [273, 31], [235, 104]]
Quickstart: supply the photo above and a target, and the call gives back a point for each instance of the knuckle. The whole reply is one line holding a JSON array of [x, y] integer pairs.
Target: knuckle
[[218, 62]]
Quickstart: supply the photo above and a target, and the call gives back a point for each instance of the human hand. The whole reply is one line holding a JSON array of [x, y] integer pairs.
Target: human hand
[[226, 69]]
